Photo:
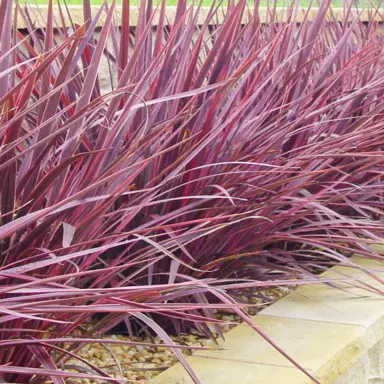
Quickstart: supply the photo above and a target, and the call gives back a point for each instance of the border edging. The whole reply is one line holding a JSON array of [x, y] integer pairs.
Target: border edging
[[39, 17], [328, 331]]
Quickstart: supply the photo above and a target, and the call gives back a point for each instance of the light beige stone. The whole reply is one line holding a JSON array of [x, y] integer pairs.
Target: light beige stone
[[326, 304], [357, 374], [310, 343], [320, 302], [210, 371], [369, 369]]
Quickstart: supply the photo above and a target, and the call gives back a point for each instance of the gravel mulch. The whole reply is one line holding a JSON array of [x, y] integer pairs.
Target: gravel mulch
[[143, 363]]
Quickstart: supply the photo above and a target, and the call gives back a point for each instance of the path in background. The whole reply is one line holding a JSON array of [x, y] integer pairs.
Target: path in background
[[281, 3]]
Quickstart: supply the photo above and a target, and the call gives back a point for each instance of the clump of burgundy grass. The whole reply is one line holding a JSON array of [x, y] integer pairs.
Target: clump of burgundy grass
[[222, 157]]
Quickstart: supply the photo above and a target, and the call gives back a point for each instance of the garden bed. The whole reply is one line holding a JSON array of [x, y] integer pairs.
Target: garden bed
[[151, 174]]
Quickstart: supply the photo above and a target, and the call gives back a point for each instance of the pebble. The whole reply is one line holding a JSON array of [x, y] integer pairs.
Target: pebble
[[140, 362]]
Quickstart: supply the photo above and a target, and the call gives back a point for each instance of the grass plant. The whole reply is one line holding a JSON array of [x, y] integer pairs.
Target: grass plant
[[223, 159]]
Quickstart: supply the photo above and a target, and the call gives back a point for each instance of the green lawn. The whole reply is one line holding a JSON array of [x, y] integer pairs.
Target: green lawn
[[336, 3]]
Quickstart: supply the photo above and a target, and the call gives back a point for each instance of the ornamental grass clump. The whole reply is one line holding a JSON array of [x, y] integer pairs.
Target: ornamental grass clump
[[221, 158]]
